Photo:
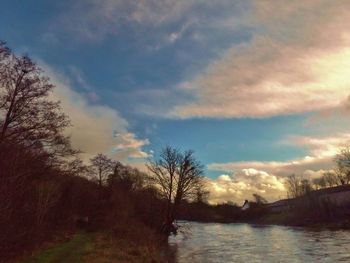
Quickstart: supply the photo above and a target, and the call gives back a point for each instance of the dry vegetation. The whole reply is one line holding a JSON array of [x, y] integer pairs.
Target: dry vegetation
[[105, 246], [46, 191]]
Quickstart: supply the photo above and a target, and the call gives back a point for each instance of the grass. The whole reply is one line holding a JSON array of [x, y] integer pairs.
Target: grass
[[102, 247], [109, 249], [72, 251]]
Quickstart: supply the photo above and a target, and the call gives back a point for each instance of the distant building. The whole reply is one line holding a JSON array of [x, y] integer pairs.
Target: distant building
[[328, 199], [245, 205]]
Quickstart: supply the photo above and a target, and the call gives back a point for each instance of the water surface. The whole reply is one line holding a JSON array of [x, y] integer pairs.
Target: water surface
[[203, 242]]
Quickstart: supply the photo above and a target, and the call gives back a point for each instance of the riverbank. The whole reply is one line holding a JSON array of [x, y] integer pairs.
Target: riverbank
[[104, 246], [308, 219], [303, 214], [283, 220], [295, 219]]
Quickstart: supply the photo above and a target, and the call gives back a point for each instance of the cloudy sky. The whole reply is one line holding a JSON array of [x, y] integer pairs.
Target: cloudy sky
[[259, 89]]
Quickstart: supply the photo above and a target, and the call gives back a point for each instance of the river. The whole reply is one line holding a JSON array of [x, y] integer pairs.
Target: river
[[203, 242]]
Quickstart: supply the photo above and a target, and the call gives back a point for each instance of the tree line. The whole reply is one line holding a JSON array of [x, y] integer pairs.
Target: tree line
[[298, 186], [46, 188]]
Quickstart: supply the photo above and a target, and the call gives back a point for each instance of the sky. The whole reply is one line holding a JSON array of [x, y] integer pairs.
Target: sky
[[258, 89]]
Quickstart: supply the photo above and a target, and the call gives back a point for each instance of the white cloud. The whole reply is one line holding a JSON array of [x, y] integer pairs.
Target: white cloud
[[297, 166], [128, 143], [242, 185], [94, 126], [321, 147], [321, 153], [267, 178]]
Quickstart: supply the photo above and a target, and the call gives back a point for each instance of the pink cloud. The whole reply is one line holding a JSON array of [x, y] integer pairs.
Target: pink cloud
[[296, 62]]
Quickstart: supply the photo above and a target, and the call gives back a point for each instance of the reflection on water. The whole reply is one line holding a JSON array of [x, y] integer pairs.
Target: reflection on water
[[247, 243]]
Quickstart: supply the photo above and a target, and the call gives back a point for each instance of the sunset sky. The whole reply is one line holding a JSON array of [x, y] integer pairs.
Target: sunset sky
[[258, 89]]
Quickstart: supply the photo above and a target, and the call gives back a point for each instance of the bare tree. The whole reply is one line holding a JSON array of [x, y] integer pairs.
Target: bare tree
[[164, 171], [259, 199], [48, 194], [102, 167], [319, 183], [293, 186], [178, 176], [27, 116], [343, 166], [189, 178], [74, 167], [296, 186], [4, 54], [201, 194], [305, 186], [331, 178], [128, 178]]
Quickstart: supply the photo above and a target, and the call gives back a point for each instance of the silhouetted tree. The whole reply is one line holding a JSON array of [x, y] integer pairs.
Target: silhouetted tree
[[296, 186], [329, 179], [178, 176], [32, 147], [43, 189], [319, 183], [4, 54], [75, 167], [343, 166], [27, 116], [293, 184], [305, 186], [127, 177], [201, 194], [47, 195], [259, 199], [101, 167], [164, 171]]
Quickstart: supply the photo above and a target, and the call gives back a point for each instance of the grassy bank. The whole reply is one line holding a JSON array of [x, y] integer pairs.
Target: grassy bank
[[74, 250], [100, 247]]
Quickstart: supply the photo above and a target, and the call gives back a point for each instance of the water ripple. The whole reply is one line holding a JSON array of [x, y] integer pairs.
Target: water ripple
[[211, 243]]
